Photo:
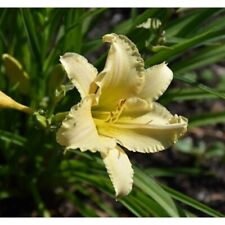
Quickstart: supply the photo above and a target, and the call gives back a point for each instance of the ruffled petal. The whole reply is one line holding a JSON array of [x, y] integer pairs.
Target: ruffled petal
[[78, 130], [123, 75], [119, 169], [134, 107], [150, 132], [157, 80], [79, 71]]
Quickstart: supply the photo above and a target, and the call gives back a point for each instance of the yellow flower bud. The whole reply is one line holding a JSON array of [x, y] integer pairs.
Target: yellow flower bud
[[8, 102]]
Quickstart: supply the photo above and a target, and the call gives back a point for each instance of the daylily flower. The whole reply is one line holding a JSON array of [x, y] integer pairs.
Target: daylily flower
[[118, 109], [8, 102]]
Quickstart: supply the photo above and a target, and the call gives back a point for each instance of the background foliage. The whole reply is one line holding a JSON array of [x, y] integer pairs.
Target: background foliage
[[37, 179]]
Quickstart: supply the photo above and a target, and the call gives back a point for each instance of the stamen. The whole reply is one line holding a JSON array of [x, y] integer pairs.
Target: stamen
[[114, 115]]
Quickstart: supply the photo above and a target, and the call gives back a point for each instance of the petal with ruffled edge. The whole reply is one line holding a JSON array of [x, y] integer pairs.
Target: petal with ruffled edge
[[79, 71], [123, 75], [78, 130], [157, 80], [119, 169], [150, 132]]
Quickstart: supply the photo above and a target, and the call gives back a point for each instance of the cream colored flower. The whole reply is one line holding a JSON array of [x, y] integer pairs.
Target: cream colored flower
[[118, 109]]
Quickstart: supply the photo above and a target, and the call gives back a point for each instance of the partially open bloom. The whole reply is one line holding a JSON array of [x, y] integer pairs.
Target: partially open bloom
[[8, 102], [118, 109]]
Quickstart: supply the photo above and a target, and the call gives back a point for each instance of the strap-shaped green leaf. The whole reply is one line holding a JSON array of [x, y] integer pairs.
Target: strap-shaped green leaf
[[181, 47]]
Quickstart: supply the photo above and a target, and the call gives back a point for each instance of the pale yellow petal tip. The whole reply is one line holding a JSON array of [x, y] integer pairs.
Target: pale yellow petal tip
[[123, 191], [61, 58], [120, 170], [109, 37], [71, 56], [67, 54], [182, 121], [178, 119], [164, 66], [126, 187], [166, 72]]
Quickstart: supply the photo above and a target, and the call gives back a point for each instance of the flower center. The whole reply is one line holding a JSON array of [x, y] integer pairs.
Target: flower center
[[114, 115]]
